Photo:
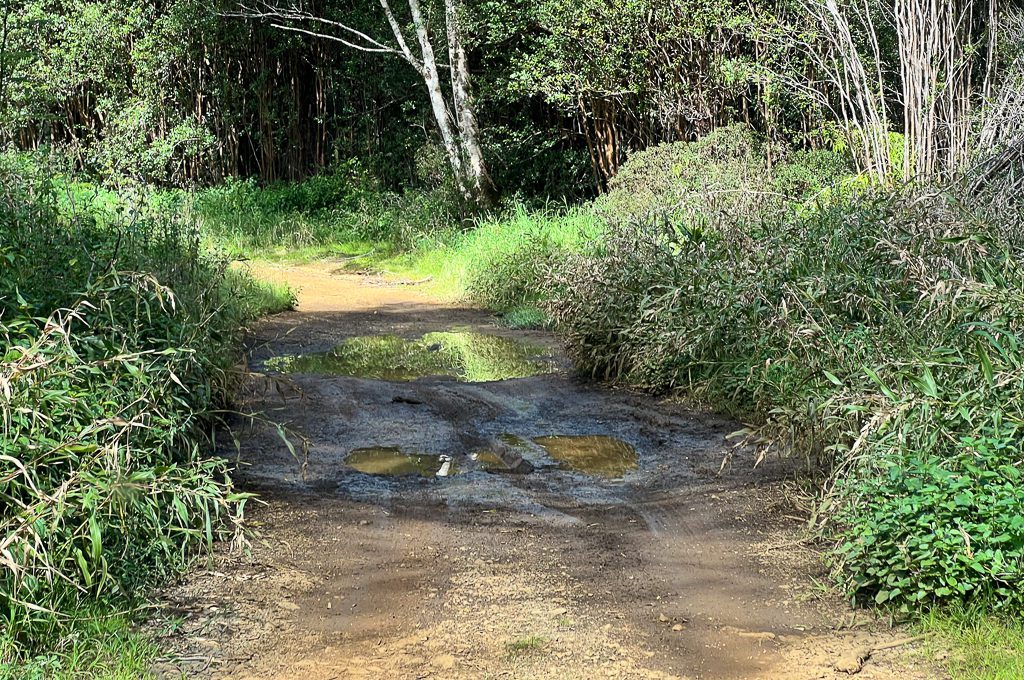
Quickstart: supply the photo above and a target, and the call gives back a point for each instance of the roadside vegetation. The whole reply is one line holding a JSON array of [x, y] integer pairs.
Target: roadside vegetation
[[802, 215], [119, 337], [872, 331]]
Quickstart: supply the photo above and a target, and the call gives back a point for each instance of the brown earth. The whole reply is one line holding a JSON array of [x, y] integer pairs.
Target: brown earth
[[676, 571]]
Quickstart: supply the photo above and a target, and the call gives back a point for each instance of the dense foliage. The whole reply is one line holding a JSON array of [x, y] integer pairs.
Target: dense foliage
[[731, 171], [187, 92], [118, 335], [877, 333], [749, 247]]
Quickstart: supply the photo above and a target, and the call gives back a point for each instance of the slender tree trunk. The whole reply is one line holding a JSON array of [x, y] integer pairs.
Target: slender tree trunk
[[454, 116], [462, 98], [438, 105]]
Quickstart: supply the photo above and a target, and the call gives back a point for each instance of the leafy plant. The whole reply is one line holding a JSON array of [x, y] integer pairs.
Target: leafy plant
[[729, 175], [118, 338], [927, 529], [879, 337]]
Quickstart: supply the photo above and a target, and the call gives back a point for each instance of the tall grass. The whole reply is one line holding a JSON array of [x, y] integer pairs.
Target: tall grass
[[119, 332], [879, 336], [319, 215], [500, 262]]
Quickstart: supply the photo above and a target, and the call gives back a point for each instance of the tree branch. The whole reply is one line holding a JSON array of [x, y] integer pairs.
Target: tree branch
[[396, 29], [357, 39]]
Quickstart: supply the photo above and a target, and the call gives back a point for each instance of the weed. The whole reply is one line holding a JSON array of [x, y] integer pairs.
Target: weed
[[975, 645], [119, 334], [527, 645], [525, 316]]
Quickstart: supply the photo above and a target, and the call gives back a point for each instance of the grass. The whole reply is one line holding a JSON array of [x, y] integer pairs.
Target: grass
[[500, 263], [256, 298], [105, 646], [497, 260], [120, 333], [884, 326], [974, 645], [329, 215], [526, 645], [525, 316]]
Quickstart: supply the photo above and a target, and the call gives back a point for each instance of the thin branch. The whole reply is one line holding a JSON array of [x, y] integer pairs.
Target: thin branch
[[326, 36], [273, 12]]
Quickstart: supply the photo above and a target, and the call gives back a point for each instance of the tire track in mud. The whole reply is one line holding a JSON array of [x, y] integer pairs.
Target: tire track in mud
[[659, 573]]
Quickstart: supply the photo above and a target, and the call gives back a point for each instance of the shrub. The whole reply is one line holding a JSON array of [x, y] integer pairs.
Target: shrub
[[881, 336], [345, 206], [938, 526], [504, 261], [731, 173], [118, 338]]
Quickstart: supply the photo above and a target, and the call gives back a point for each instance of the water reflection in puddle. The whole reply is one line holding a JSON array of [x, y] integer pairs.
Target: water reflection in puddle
[[591, 454], [597, 455], [467, 356], [488, 460], [392, 461]]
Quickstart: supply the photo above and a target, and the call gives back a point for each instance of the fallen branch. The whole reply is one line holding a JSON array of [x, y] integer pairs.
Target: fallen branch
[[853, 662]]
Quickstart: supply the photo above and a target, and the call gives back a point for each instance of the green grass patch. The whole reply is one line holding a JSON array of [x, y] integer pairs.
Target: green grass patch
[[254, 297], [526, 316], [97, 644], [333, 214], [501, 263], [530, 644], [974, 645]]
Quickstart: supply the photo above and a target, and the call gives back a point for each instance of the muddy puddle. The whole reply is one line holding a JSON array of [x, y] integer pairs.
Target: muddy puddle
[[464, 355], [393, 462], [596, 455]]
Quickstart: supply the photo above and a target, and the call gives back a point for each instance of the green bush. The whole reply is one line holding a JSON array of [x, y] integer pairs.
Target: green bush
[[938, 527], [730, 173], [343, 207], [879, 335], [118, 340], [503, 262]]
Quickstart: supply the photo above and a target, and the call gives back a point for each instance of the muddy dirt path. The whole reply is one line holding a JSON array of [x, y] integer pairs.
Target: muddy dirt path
[[624, 556]]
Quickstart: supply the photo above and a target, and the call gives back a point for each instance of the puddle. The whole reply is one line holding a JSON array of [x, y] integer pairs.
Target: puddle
[[466, 356], [505, 456], [591, 454], [392, 461], [488, 460]]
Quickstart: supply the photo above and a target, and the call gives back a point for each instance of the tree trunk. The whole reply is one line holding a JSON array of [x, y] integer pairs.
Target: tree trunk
[[455, 117], [476, 176]]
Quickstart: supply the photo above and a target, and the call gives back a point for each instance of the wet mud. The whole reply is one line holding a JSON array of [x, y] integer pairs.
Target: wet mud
[[578, 531]]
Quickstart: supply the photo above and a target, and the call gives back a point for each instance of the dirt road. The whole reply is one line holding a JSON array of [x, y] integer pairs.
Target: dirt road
[[540, 554]]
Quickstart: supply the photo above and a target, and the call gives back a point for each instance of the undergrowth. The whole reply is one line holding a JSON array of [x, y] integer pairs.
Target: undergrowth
[[973, 644], [342, 212], [119, 331], [874, 332], [879, 336]]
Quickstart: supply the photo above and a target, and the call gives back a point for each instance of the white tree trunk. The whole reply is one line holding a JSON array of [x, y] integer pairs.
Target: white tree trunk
[[462, 98], [442, 116], [937, 59], [455, 117]]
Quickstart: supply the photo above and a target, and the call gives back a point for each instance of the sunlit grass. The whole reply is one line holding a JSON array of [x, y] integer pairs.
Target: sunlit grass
[[973, 645], [99, 645], [527, 645], [499, 263]]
